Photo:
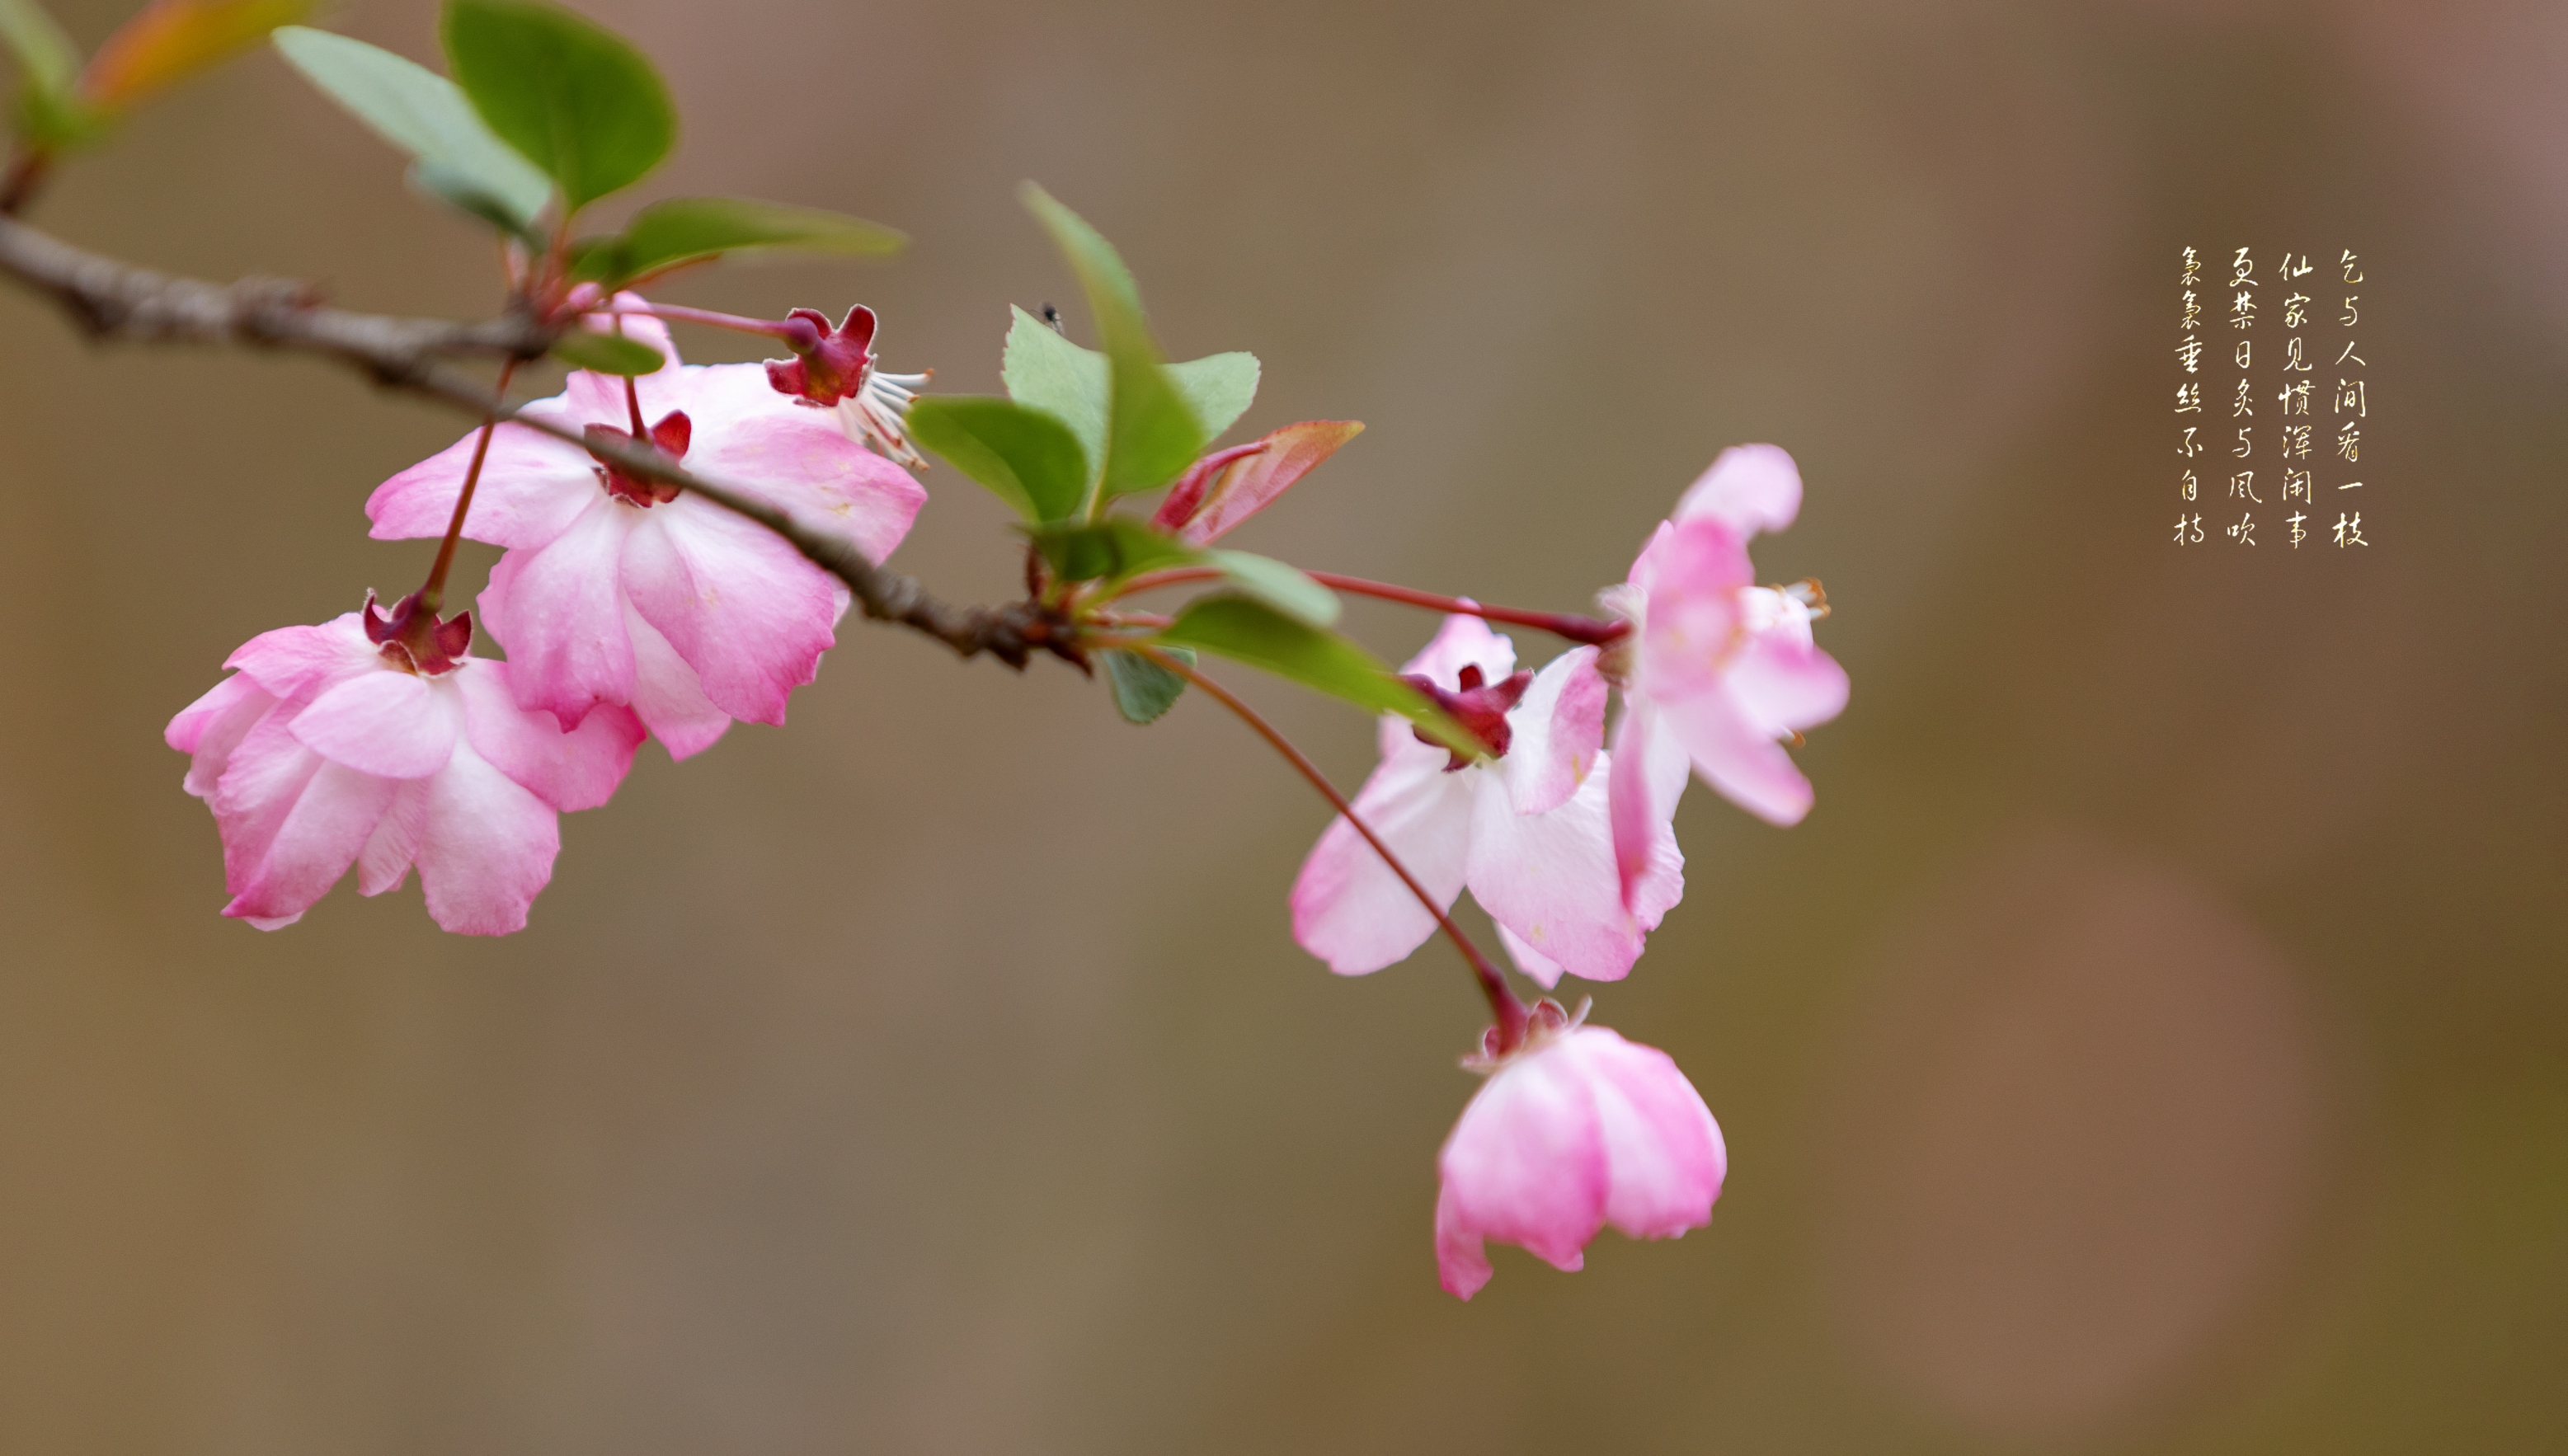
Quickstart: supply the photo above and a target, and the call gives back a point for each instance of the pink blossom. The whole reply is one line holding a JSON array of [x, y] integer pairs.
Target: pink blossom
[[1526, 831], [326, 749], [1577, 1129], [622, 591], [1718, 672]]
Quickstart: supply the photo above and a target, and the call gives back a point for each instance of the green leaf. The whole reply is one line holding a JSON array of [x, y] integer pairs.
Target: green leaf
[[424, 115], [1029, 459], [1218, 388], [1152, 434], [574, 99], [606, 353], [1279, 586], [49, 117], [1109, 550], [1144, 690], [1251, 632], [46, 59], [689, 229], [1050, 373]]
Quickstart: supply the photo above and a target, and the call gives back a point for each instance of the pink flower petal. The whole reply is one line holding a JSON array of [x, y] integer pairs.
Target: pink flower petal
[[1537, 967], [1526, 1165], [532, 488], [385, 861], [558, 611], [314, 835], [742, 606], [212, 726], [1696, 618], [1463, 641], [668, 696], [1661, 1143], [1781, 683], [1550, 879], [1349, 909], [288, 660], [1749, 488], [385, 723], [568, 770], [796, 456], [1750, 769], [1557, 732], [485, 848]]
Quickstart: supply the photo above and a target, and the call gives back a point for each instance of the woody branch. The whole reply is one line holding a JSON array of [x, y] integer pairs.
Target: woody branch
[[114, 301]]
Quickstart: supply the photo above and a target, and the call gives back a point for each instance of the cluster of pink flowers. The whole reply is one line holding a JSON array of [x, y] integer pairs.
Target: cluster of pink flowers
[[626, 607], [1571, 851], [632, 609]]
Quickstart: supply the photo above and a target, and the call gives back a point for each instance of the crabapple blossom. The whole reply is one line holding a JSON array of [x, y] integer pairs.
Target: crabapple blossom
[[337, 745], [1526, 830], [1718, 672], [1575, 1129], [617, 590]]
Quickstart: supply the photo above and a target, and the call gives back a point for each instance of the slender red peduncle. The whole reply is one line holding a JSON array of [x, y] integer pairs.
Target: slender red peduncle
[[432, 593], [1589, 631], [1510, 1013], [764, 328]]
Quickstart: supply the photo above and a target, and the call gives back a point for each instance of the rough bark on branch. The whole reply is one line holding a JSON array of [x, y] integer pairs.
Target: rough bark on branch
[[115, 301]]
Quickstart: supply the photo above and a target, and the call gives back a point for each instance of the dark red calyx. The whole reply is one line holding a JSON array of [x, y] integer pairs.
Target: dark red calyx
[[1481, 707], [415, 641], [832, 364], [668, 438]]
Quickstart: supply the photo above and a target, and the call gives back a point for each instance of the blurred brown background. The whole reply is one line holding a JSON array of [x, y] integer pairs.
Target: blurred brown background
[[2153, 1041]]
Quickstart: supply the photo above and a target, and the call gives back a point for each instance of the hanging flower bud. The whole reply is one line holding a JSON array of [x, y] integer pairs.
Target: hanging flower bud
[[1574, 1130]]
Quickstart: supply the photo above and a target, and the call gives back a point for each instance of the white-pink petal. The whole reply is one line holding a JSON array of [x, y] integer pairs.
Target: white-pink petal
[[1749, 488], [1348, 908], [1549, 878], [389, 723], [560, 610], [485, 848], [745, 609], [1556, 733]]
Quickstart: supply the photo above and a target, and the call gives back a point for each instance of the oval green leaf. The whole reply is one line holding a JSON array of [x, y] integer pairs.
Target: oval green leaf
[[1218, 388], [574, 99], [425, 115], [686, 229], [1144, 690], [1027, 457], [1151, 433], [1283, 587]]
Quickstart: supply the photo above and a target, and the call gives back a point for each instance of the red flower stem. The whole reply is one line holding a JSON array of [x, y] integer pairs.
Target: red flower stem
[[766, 328], [1591, 631], [1510, 1013], [432, 593]]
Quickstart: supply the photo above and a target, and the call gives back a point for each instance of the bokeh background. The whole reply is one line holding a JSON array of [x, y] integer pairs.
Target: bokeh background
[[2156, 1040]]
